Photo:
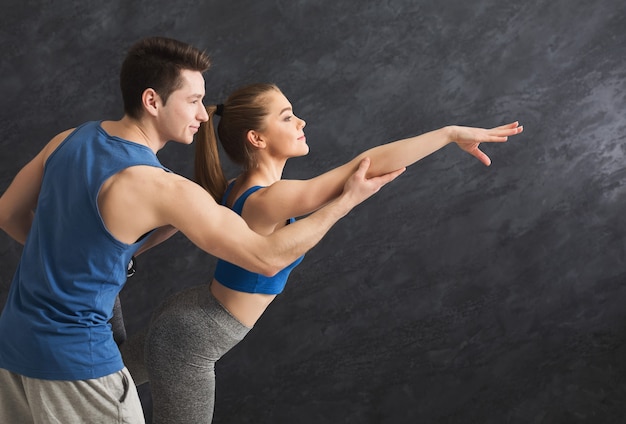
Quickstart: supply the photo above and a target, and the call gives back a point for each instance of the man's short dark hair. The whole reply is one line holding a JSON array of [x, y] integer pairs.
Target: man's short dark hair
[[156, 63]]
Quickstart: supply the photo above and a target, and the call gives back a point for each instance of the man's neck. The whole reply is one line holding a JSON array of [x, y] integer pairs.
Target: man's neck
[[135, 131]]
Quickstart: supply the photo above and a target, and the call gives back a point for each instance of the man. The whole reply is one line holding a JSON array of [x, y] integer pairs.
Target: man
[[91, 198]]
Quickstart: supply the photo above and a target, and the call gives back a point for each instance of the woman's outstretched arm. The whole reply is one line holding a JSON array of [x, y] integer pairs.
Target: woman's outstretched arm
[[292, 198], [405, 152]]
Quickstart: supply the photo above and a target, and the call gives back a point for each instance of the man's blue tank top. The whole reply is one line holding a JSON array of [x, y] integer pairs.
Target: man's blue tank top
[[55, 322], [242, 280]]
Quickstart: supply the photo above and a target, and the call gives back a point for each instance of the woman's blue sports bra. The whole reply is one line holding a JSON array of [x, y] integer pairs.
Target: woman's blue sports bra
[[237, 278]]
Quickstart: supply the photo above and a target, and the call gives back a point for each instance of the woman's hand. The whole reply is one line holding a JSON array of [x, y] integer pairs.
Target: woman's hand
[[469, 138]]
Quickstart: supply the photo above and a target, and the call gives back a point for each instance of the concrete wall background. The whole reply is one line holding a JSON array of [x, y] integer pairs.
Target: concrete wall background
[[459, 293]]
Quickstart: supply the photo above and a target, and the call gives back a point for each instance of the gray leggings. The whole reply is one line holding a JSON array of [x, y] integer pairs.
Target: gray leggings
[[187, 335]]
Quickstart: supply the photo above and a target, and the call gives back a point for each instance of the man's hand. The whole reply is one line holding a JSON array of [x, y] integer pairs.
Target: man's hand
[[359, 188]]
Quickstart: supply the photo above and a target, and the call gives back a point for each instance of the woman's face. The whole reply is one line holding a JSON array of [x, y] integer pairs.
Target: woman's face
[[283, 132]]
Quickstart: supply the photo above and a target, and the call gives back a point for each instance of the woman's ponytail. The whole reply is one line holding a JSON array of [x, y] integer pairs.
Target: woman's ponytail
[[207, 167]]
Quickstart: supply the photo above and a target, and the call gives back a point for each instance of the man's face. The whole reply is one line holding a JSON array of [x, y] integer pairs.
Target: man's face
[[180, 118]]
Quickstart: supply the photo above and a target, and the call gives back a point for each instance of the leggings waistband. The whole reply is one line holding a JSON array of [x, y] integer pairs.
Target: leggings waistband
[[220, 315]]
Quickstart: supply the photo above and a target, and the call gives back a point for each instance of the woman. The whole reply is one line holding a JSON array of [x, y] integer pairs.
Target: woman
[[259, 131]]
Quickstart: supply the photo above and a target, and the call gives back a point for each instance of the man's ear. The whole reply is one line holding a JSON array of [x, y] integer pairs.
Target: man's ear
[[151, 101], [255, 139]]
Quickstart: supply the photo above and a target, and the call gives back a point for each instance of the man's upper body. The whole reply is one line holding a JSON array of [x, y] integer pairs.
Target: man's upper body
[[72, 268]]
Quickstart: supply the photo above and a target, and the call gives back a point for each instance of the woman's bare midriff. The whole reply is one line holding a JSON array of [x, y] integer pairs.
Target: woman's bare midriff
[[246, 307]]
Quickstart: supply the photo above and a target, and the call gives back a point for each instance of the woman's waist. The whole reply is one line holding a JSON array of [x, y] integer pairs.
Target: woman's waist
[[246, 307]]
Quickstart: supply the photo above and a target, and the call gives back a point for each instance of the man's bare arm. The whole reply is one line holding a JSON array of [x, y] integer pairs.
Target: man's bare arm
[[174, 200], [18, 202]]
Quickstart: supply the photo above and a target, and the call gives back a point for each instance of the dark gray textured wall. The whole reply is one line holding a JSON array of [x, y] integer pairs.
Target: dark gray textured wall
[[459, 294]]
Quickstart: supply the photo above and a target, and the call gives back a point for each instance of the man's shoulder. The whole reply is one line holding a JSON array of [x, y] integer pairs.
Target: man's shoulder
[[55, 142], [153, 177]]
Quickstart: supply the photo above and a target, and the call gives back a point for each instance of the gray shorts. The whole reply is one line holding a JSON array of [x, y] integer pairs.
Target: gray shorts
[[109, 399]]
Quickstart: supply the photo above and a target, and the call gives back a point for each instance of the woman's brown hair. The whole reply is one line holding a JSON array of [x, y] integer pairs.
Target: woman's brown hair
[[243, 111]]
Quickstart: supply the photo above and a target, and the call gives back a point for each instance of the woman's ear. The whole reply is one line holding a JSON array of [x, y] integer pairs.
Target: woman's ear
[[255, 139]]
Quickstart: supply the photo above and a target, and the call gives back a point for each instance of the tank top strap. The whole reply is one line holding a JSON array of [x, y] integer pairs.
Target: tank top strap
[[227, 192], [238, 205]]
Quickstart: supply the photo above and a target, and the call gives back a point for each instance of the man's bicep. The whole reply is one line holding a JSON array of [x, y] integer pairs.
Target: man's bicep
[[216, 229]]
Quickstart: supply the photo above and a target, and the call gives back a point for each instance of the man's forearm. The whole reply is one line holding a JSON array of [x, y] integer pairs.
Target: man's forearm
[[292, 241], [157, 237]]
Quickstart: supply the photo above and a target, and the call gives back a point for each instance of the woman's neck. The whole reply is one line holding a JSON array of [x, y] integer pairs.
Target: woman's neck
[[264, 174]]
